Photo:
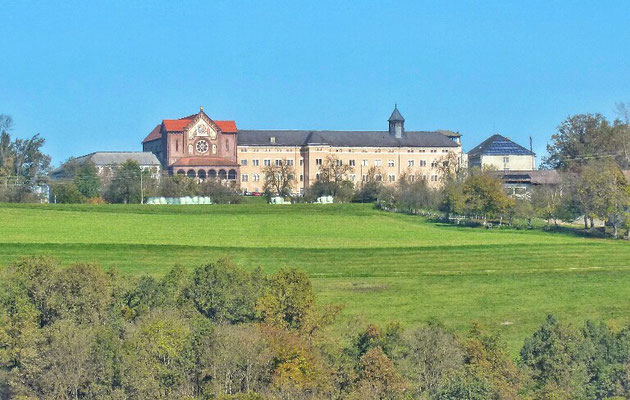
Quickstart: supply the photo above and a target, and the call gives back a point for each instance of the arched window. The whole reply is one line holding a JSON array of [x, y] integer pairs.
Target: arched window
[[201, 174], [214, 148], [232, 175], [222, 174], [191, 173], [180, 172], [212, 174]]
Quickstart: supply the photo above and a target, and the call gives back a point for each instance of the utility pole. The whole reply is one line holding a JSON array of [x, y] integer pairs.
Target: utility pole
[[141, 188]]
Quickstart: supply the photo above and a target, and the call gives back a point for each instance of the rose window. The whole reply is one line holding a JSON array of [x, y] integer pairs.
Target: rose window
[[202, 146]]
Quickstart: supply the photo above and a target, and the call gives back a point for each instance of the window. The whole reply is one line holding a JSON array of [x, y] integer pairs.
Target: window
[[244, 163], [433, 150], [255, 177], [434, 164], [353, 177], [301, 162], [379, 178], [301, 178], [255, 163], [272, 139], [444, 151], [243, 150], [412, 178], [434, 178], [338, 162], [363, 178], [377, 150], [409, 150], [177, 145], [390, 163], [377, 163], [392, 178], [351, 163], [422, 151], [244, 178], [278, 163], [266, 163], [506, 160], [289, 163], [410, 163], [318, 161], [423, 163], [317, 176], [364, 163]]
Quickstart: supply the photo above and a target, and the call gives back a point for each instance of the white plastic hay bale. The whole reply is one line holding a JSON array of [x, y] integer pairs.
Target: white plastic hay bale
[[163, 200], [169, 200], [195, 200]]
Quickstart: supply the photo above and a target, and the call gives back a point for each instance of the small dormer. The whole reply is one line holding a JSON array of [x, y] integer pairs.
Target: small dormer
[[396, 123], [272, 139]]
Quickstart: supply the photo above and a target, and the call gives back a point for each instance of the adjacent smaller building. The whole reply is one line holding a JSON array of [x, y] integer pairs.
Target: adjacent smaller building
[[503, 154], [107, 161]]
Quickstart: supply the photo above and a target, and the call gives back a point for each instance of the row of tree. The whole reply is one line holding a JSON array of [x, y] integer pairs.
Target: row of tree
[[128, 183], [219, 331]]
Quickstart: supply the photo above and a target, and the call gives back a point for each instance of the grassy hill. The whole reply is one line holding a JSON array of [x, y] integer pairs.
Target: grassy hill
[[383, 266]]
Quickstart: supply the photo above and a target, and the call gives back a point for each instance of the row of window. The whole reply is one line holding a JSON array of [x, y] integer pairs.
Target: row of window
[[351, 177], [349, 150], [352, 163]]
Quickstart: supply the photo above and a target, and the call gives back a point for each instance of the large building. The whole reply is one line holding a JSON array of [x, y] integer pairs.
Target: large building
[[204, 148], [501, 153]]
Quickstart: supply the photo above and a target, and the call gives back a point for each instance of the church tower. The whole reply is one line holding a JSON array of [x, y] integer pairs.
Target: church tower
[[396, 123]]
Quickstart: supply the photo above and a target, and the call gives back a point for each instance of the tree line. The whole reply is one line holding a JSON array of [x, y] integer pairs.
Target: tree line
[[129, 183], [220, 331]]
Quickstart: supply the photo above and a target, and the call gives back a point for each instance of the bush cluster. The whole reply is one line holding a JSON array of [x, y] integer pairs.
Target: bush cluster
[[219, 331]]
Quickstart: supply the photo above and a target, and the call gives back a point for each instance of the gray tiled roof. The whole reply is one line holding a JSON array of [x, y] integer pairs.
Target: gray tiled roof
[[343, 138], [119, 157], [499, 145]]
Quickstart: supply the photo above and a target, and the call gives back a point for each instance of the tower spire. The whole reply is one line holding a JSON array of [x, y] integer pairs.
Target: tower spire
[[396, 123]]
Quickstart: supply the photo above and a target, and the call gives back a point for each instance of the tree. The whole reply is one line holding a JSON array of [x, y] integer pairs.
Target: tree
[[605, 193], [23, 165], [553, 357], [333, 180], [224, 293], [178, 186], [370, 186], [434, 356], [547, 201], [220, 193], [579, 139], [279, 178], [87, 180], [288, 301], [67, 193], [483, 195], [378, 376], [125, 186]]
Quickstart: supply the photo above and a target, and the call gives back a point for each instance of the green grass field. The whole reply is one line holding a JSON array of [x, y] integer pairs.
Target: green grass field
[[382, 266]]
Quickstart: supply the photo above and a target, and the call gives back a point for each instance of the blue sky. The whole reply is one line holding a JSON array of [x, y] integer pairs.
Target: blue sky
[[95, 76]]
